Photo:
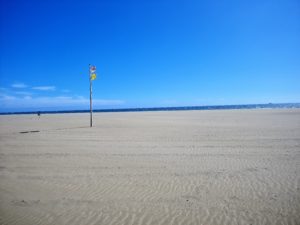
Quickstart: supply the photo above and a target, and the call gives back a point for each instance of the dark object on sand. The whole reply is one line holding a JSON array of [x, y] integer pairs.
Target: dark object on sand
[[30, 131], [39, 113]]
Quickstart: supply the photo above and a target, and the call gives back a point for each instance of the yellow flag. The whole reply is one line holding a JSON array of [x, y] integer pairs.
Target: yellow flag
[[93, 76]]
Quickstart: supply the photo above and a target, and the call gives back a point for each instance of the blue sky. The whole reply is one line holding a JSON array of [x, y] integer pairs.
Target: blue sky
[[148, 53]]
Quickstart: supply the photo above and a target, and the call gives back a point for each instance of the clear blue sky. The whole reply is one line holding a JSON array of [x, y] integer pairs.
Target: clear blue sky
[[148, 53]]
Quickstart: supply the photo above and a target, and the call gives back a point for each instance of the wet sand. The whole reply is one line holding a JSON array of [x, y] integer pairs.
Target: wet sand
[[178, 167]]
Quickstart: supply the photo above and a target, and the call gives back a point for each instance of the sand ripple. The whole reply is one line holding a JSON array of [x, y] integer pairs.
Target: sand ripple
[[212, 167]]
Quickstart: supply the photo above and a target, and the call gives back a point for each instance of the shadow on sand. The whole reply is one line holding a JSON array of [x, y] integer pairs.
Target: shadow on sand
[[65, 128]]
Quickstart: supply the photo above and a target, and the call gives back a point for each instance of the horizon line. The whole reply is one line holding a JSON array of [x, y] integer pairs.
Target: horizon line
[[166, 108]]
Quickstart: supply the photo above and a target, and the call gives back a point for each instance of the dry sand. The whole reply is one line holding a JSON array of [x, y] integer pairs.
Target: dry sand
[[182, 167]]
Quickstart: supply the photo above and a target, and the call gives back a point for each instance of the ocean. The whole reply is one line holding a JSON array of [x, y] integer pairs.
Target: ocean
[[211, 107]]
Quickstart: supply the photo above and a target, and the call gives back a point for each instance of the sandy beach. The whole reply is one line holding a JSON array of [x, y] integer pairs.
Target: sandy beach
[[180, 167]]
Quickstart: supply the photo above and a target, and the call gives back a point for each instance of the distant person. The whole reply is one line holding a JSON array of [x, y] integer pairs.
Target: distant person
[[39, 114]]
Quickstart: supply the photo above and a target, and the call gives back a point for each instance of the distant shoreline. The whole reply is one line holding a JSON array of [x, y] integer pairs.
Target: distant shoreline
[[209, 107]]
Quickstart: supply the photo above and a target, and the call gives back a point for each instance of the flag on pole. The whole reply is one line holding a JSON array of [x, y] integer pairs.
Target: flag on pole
[[92, 69], [93, 76]]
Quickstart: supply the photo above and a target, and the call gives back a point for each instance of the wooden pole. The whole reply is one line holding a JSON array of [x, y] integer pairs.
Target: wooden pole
[[91, 100]]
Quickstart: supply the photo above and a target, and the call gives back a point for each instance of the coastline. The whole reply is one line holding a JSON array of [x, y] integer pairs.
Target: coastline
[[171, 108]]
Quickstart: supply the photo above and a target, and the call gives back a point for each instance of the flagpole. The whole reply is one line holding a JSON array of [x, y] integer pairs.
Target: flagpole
[[91, 100]]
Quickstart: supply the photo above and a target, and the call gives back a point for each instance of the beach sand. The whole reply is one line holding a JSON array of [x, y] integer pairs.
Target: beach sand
[[173, 167]]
